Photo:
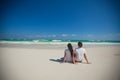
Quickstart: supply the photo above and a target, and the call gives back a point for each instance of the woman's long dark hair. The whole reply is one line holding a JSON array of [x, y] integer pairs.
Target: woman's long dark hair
[[70, 48]]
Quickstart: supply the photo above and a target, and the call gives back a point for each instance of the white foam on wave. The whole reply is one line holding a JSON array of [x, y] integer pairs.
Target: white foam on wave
[[15, 42], [56, 42]]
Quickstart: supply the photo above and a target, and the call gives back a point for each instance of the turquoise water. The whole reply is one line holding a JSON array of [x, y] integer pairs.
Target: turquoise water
[[56, 41]]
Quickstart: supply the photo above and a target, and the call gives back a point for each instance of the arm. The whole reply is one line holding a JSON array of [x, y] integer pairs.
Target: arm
[[73, 58], [64, 59], [85, 56]]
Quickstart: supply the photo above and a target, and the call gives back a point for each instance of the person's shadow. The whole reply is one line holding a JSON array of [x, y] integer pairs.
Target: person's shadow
[[61, 60], [57, 60]]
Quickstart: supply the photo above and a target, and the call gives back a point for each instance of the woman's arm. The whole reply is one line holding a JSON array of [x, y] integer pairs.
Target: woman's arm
[[64, 59], [73, 58]]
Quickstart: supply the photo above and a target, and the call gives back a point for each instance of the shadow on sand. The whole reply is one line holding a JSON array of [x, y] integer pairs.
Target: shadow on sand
[[116, 54], [61, 60], [57, 60]]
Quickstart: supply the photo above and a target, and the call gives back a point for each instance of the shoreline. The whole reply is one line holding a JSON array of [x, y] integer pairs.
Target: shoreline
[[56, 46]]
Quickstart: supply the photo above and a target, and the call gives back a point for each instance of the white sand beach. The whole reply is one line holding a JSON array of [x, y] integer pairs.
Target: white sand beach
[[20, 63]]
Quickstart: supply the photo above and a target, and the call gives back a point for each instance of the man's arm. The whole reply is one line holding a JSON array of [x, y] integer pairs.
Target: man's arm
[[85, 56]]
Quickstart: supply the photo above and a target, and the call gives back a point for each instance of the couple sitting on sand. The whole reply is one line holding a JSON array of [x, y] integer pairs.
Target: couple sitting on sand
[[76, 55]]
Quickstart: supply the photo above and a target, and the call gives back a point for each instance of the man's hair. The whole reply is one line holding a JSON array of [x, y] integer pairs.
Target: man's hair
[[80, 44]]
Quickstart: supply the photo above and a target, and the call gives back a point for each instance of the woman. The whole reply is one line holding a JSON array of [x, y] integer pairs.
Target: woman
[[69, 54]]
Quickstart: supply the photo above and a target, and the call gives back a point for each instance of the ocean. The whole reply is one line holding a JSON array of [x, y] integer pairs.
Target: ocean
[[59, 42]]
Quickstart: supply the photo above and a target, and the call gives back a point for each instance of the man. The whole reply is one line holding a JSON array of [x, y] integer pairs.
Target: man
[[80, 53]]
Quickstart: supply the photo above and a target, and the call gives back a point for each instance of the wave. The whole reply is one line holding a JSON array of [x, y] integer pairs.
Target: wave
[[47, 41], [43, 40], [56, 40]]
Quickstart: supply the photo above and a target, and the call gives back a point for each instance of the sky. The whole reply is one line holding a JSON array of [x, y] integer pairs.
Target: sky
[[60, 19]]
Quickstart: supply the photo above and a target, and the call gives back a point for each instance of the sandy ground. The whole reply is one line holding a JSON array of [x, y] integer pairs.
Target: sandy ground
[[17, 63]]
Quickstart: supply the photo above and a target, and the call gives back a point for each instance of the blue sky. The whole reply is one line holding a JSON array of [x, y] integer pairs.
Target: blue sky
[[60, 19]]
